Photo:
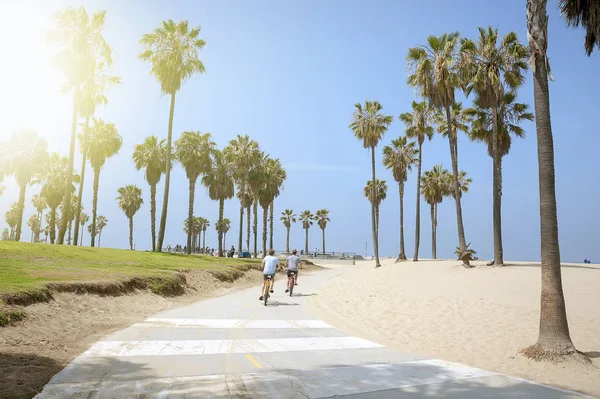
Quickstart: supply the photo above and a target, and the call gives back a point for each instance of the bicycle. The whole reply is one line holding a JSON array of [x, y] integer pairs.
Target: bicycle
[[267, 288], [292, 281]]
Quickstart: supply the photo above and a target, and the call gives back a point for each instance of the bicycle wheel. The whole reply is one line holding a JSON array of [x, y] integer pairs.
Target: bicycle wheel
[[266, 293]]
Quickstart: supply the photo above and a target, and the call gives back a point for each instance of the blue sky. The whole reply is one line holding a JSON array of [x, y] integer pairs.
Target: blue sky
[[287, 73]]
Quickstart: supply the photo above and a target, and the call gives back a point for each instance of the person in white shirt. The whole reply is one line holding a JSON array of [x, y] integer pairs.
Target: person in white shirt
[[269, 264], [293, 262]]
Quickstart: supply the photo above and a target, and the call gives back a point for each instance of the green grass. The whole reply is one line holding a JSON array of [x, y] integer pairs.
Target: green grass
[[28, 267]]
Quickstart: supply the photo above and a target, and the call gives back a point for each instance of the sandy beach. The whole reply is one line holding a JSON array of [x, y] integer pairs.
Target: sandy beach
[[480, 317]]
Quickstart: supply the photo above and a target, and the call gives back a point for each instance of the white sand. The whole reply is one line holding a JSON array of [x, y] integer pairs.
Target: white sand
[[480, 317]]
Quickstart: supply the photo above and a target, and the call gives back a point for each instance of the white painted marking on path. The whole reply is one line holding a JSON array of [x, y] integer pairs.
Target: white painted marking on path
[[213, 347], [231, 323]]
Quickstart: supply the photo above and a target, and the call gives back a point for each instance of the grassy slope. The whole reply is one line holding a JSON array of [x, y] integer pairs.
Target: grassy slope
[[25, 266]]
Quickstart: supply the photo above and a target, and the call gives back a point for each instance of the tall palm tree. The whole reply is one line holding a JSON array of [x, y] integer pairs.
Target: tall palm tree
[[70, 215], [34, 224], [151, 155], [104, 142], [55, 178], [369, 125], [434, 73], [39, 203], [288, 217], [437, 183], [203, 225], [256, 180], [26, 158], [89, 229], [220, 184], [400, 157], [83, 219], [193, 150], [279, 176], [554, 341], [130, 200], [81, 47], [225, 226], [306, 218], [11, 217], [322, 218], [490, 69], [380, 195], [172, 49], [243, 153], [101, 224], [92, 94], [418, 126]]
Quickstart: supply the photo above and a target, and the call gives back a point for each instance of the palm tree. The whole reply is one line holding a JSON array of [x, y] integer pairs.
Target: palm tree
[[11, 216], [274, 177], [52, 191], [39, 202], [104, 141], [322, 218], [585, 14], [490, 68], [203, 225], [369, 125], [130, 201], [435, 76], [418, 126], [437, 183], [101, 224], [220, 184], [5, 232], [193, 150], [288, 217], [279, 175], [172, 49], [400, 157], [81, 47], [554, 341], [70, 215], [151, 155], [243, 153], [256, 179], [380, 195], [190, 227], [306, 218], [34, 222], [89, 229], [225, 226], [26, 158], [83, 220], [92, 95]]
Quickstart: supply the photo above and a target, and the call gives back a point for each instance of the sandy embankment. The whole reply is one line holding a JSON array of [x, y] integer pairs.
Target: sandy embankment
[[481, 317]]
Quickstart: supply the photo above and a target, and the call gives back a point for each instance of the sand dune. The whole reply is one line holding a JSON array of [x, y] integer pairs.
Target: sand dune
[[480, 317]]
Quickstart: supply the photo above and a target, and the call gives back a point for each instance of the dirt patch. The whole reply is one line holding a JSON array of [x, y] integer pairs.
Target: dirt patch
[[76, 315]]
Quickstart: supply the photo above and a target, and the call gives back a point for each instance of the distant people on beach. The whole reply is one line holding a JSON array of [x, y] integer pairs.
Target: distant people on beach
[[586, 261]]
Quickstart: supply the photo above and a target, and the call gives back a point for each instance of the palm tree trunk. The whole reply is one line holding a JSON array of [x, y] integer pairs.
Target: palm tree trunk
[[323, 241], [31, 235], [432, 211], [287, 240], [459, 219], [265, 225], [99, 237], [52, 225], [190, 215], [402, 255], [241, 227], [67, 198], [81, 239], [70, 230], [554, 339], [37, 235], [163, 216], [221, 209], [204, 238], [82, 179], [271, 211], [306, 243], [22, 189], [497, 210], [131, 233], [255, 228], [224, 240], [377, 218], [248, 228], [418, 211], [153, 215], [95, 206], [373, 221]]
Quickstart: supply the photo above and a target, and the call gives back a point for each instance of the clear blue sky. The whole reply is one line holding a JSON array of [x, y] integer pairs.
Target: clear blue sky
[[287, 73]]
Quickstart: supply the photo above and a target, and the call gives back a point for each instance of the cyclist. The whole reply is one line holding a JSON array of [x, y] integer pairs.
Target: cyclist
[[293, 261], [269, 264]]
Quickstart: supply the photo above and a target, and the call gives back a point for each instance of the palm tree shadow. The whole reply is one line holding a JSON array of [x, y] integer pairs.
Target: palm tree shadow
[[537, 265], [277, 303], [592, 354], [299, 295]]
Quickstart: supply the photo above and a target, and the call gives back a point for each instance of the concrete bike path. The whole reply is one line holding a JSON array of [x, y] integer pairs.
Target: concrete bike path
[[234, 347]]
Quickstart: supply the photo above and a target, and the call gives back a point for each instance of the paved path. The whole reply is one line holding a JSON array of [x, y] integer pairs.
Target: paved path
[[234, 347]]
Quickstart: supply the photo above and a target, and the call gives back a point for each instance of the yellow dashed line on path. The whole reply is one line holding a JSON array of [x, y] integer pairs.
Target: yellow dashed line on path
[[253, 361]]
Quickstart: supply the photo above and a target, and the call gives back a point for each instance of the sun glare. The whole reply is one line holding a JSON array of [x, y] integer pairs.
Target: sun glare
[[30, 83]]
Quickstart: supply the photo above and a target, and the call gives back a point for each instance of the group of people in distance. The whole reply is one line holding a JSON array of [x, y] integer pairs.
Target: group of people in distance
[[271, 264]]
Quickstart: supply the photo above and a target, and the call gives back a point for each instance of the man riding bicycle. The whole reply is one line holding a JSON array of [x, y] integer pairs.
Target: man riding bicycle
[[293, 261], [269, 264]]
